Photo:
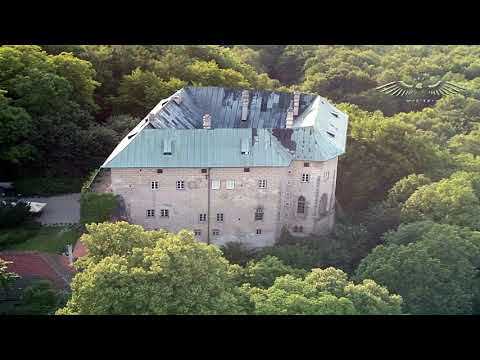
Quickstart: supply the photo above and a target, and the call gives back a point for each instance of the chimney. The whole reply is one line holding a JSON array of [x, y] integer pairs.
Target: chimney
[[245, 98], [207, 121], [296, 103], [289, 124], [177, 99]]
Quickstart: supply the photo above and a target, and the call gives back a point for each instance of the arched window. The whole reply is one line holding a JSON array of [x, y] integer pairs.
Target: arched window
[[300, 229], [322, 206], [295, 228], [301, 205], [259, 213]]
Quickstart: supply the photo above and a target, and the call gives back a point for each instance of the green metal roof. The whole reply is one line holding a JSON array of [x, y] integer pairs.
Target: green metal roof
[[318, 132], [202, 148]]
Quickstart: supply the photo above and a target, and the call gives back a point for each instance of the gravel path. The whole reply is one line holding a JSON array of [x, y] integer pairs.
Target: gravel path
[[61, 209]]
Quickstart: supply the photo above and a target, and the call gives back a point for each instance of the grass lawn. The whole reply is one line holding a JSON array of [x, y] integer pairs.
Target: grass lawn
[[48, 239]]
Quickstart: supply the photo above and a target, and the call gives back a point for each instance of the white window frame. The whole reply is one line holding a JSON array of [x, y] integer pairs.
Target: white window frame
[[262, 183], [230, 184], [150, 212], [215, 184], [216, 232], [197, 232], [258, 232], [180, 185], [220, 217], [155, 185], [204, 217], [305, 177], [164, 213]]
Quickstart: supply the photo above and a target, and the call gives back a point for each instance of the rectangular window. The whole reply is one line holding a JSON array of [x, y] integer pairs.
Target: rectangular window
[[220, 217], [215, 232], [204, 171], [307, 164], [305, 177], [298, 229], [164, 213], [246, 169], [150, 213], [262, 184], [154, 185], [159, 171], [259, 231], [230, 185], [215, 184], [197, 232], [180, 185], [203, 217], [259, 214]]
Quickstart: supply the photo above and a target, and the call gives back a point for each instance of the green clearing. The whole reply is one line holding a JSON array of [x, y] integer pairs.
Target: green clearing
[[46, 239], [95, 208]]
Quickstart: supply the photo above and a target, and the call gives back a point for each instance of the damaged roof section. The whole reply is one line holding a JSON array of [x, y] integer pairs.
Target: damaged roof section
[[208, 125], [265, 109]]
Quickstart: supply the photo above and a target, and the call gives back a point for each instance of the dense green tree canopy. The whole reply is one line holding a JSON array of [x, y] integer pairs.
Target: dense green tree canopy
[[432, 266], [323, 292], [380, 151], [172, 274], [404, 188], [454, 200]]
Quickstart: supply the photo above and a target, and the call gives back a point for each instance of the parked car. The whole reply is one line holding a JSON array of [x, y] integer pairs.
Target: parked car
[[7, 189], [35, 207]]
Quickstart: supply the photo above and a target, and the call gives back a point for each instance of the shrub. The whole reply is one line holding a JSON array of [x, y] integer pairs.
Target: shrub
[[237, 253], [13, 215], [262, 273], [97, 207], [40, 298], [16, 236]]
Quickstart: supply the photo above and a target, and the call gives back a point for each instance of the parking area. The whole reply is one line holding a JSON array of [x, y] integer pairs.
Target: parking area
[[60, 210]]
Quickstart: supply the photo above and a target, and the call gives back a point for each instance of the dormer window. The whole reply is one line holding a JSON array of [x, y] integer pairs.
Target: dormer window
[[244, 147], [167, 147]]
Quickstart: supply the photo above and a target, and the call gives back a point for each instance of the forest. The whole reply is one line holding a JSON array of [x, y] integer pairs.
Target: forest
[[407, 237]]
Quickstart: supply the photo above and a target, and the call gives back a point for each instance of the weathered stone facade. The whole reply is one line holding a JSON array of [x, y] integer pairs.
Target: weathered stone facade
[[278, 198]]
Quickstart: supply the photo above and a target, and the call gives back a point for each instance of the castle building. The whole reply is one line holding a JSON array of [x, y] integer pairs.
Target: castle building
[[232, 165]]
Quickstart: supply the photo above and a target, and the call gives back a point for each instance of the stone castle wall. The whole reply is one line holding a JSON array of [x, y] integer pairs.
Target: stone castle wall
[[279, 200]]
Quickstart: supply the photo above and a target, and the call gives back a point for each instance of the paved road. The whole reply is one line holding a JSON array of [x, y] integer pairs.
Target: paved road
[[61, 209]]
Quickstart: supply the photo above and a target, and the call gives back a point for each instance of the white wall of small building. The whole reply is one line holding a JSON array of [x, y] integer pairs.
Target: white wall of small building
[[279, 200]]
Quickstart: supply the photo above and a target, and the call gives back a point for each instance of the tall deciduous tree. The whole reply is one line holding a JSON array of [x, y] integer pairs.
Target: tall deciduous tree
[[137, 272]]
